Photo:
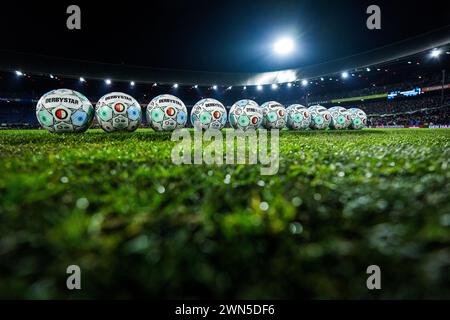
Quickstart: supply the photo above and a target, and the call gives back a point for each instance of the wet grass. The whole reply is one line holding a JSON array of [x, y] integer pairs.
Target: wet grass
[[140, 226]]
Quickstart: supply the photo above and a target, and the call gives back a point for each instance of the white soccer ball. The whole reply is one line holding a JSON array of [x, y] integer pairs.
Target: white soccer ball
[[64, 110], [245, 114], [166, 112], [274, 115], [359, 118], [320, 117], [340, 118], [208, 114], [298, 117], [117, 111]]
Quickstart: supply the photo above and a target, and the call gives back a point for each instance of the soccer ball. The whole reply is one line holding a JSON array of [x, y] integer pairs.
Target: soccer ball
[[245, 114], [64, 110], [208, 114], [274, 115], [320, 117], [340, 118], [117, 111], [298, 117], [166, 112], [359, 118]]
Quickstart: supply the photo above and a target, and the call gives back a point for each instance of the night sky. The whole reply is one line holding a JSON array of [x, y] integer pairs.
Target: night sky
[[225, 36]]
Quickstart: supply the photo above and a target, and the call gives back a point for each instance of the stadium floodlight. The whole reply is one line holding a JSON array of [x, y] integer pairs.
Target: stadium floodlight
[[19, 73], [214, 87], [259, 87], [108, 81], [132, 83], [304, 82], [82, 79], [435, 53], [344, 74], [283, 46], [175, 85], [274, 86], [289, 84], [245, 88]]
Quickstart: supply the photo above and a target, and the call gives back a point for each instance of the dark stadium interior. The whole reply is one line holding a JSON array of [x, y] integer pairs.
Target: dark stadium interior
[[145, 210]]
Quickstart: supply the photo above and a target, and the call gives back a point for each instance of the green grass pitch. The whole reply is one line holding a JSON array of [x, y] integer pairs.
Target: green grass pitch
[[140, 226]]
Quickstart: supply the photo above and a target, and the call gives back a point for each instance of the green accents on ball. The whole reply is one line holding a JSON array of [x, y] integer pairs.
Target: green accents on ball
[[298, 117], [243, 121], [205, 117], [45, 118], [318, 120], [105, 113], [157, 115]]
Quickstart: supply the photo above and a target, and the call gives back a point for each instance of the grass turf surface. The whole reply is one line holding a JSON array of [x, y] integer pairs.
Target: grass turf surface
[[140, 226]]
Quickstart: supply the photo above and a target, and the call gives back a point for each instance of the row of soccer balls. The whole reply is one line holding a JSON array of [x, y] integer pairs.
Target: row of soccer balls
[[65, 110]]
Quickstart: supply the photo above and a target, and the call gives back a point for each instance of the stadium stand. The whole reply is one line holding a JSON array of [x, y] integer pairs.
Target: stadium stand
[[366, 88]]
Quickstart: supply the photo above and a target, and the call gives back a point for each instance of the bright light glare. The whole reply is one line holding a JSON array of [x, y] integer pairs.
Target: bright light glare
[[245, 88], [259, 87], [175, 85], [289, 84], [196, 86], [283, 46], [19, 73], [132, 83], [304, 82], [344, 74], [108, 81], [214, 87], [82, 79], [274, 86], [435, 53]]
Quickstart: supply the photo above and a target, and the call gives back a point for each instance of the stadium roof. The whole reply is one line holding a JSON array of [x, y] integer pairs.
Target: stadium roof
[[168, 42], [10, 61]]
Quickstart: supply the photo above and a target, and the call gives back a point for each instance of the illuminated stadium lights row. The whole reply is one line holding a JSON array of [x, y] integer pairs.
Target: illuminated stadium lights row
[[258, 87], [434, 53]]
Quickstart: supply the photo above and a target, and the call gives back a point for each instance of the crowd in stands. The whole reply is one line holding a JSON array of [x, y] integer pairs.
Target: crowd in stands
[[435, 116], [400, 105], [372, 89]]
